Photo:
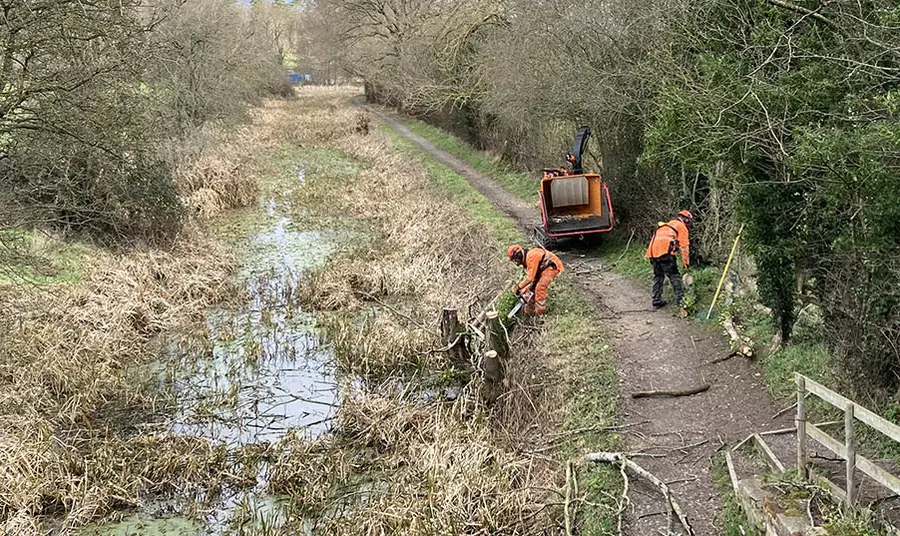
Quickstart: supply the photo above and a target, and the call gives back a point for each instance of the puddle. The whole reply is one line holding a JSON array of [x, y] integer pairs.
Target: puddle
[[257, 373]]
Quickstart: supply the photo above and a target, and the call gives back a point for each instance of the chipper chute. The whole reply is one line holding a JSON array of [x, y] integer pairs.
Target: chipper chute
[[574, 204]]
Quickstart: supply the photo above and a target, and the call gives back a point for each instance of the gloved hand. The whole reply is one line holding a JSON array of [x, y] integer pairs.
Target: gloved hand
[[517, 290]]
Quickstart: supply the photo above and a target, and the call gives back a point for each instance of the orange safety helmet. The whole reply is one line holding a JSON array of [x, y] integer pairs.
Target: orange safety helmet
[[687, 218], [515, 253]]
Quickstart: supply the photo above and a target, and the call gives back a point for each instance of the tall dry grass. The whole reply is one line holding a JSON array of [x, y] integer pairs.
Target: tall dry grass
[[214, 168], [402, 460]]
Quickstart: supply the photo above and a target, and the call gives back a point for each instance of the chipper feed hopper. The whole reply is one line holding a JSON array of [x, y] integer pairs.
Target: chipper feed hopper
[[574, 204]]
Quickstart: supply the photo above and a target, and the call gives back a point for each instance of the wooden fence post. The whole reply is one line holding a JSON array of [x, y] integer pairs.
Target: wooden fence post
[[801, 427], [850, 452]]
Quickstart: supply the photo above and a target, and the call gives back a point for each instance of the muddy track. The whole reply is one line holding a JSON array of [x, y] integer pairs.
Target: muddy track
[[655, 350]]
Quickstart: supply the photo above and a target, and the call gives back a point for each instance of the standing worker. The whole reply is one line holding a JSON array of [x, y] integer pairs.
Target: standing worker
[[541, 267], [669, 238]]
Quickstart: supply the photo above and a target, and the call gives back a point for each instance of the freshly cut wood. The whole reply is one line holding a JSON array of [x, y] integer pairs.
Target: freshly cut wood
[[741, 344], [622, 459], [664, 393], [495, 336]]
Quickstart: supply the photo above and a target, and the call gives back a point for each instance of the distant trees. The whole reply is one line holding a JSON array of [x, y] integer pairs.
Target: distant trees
[[89, 91]]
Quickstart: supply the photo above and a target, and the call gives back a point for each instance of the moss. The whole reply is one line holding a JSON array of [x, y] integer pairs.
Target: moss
[[38, 258]]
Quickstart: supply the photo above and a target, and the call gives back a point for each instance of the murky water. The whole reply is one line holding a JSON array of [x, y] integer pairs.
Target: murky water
[[266, 373], [260, 373]]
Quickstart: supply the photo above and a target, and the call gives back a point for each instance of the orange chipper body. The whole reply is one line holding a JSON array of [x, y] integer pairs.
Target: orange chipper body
[[574, 204]]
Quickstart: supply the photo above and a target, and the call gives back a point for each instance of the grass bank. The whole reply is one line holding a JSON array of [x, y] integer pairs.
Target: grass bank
[[415, 448]]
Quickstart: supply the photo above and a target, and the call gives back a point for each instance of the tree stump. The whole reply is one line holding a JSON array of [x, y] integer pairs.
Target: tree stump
[[496, 352], [495, 336], [492, 370], [453, 334]]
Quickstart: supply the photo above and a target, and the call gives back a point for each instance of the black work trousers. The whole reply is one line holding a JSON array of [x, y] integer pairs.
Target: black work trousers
[[662, 267]]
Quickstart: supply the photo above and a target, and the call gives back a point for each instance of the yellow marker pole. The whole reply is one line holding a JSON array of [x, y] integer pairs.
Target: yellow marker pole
[[724, 272]]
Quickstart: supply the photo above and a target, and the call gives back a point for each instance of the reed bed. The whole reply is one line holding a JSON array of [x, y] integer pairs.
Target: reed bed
[[77, 439], [403, 459]]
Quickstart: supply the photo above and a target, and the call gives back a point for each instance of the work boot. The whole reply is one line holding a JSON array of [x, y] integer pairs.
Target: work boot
[[660, 304], [529, 308]]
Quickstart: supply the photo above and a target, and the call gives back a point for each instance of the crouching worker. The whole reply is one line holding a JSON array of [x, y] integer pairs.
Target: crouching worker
[[541, 267], [668, 239]]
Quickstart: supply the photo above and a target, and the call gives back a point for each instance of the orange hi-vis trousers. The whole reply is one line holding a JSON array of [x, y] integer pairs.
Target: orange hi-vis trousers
[[538, 304]]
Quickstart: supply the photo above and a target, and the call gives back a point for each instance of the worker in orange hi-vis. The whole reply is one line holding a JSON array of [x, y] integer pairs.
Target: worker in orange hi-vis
[[541, 267], [668, 239]]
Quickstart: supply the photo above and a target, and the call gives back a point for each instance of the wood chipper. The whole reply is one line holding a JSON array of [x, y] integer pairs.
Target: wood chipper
[[574, 204]]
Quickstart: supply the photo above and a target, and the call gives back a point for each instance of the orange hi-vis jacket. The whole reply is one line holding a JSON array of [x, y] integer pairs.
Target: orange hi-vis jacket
[[667, 239], [537, 260]]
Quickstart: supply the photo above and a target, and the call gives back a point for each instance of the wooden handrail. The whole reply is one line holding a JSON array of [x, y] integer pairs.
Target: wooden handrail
[[846, 449]]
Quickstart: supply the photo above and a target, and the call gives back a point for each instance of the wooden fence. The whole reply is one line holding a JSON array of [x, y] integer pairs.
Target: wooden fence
[[846, 450]]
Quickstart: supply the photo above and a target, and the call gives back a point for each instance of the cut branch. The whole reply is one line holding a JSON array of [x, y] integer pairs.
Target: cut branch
[[664, 393], [621, 459]]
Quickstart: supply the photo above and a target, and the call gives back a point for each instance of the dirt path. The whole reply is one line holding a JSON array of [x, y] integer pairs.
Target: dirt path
[[656, 350]]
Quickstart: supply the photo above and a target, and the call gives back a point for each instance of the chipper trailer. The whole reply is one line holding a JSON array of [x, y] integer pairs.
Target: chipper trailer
[[574, 204]]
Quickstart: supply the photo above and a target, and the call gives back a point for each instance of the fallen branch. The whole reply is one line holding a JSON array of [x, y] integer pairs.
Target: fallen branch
[[568, 498], [624, 502], [785, 410], [663, 393], [621, 459], [721, 359], [401, 314], [626, 247]]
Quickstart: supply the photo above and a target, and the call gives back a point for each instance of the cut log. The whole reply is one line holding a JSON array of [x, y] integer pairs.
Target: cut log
[[495, 336], [663, 393], [622, 459], [740, 344]]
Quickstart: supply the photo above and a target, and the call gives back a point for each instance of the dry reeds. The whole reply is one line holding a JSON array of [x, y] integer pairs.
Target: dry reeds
[[400, 467], [63, 384], [402, 460]]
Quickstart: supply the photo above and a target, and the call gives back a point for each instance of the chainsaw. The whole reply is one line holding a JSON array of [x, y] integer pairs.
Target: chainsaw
[[524, 298]]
